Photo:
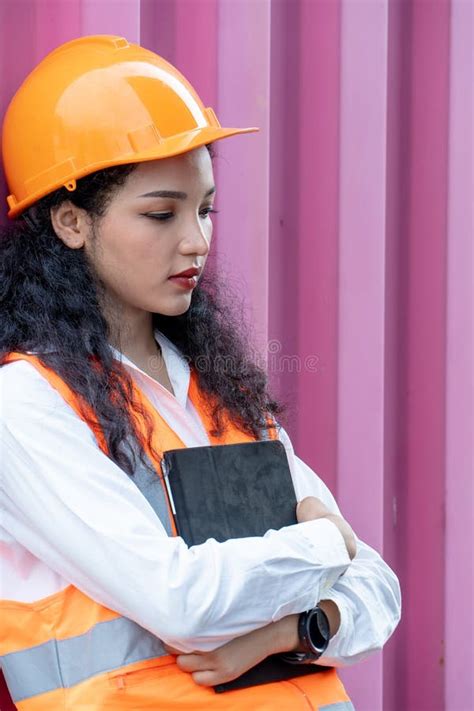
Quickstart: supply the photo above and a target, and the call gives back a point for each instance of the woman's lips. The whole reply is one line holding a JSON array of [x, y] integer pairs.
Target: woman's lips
[[184, 282], [187, 279]]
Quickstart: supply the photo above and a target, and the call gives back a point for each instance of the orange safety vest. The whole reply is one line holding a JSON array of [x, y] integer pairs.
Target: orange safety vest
[[67, 651]]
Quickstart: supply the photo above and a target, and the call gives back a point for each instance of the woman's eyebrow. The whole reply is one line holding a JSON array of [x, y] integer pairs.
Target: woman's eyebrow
[[175, 194]]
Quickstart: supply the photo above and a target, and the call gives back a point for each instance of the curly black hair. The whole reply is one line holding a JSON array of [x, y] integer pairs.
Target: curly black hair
[[50, 303]]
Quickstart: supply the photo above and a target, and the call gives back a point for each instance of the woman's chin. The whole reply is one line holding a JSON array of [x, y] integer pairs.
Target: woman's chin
[[176, 308]]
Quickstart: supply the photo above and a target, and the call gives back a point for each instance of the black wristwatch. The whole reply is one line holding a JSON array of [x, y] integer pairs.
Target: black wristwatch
[[313, 633]]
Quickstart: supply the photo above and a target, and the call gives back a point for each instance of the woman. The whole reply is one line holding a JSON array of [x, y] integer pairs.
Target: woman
[[112, 336]]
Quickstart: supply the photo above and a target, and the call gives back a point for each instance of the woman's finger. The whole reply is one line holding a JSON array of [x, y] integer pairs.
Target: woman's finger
[[193, 662], [207, 678]]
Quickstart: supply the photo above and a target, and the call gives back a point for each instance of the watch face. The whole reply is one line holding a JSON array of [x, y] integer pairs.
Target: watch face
[[318, 629]]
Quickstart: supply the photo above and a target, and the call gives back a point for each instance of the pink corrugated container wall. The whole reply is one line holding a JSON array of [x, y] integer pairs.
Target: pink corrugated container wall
[[347, 221]]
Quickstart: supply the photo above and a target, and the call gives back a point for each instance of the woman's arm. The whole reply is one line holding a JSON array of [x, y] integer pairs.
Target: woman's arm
[[363, 606], [237, 656], [75, 510], [367, 595], [363, 628]]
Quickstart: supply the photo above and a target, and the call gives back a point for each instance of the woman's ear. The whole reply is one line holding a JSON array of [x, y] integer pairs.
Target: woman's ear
[[70, 224]]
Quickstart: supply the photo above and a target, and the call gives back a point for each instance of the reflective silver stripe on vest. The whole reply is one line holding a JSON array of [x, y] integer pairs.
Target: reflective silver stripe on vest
[[148, 481], [340, 706], [63, 663]]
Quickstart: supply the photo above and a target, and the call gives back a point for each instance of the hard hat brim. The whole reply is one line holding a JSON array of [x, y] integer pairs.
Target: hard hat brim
[[168, 148]]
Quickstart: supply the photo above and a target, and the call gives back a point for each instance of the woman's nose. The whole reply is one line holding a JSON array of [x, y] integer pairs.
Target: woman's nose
[[197, 240]]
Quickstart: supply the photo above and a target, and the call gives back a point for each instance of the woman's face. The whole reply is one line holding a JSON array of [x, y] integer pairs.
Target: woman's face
[[157, 224]]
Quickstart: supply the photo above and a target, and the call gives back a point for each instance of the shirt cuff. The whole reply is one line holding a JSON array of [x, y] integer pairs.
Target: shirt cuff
[[332, 655]]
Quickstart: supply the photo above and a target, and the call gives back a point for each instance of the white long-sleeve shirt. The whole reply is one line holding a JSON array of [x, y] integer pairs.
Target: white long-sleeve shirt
[[69, 515]]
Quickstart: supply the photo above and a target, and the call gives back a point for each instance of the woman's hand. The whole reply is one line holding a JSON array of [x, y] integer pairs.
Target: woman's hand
[[237, 656], [312, 508]]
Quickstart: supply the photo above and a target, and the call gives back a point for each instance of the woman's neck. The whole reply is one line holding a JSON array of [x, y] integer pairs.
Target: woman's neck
[[135, 339], [131, 332]]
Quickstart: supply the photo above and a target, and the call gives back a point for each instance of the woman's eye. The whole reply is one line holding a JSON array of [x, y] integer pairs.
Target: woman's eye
[[162, 216], [205, 212]]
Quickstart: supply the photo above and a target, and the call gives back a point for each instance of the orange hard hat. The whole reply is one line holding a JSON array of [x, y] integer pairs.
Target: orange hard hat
[[93, 103]]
